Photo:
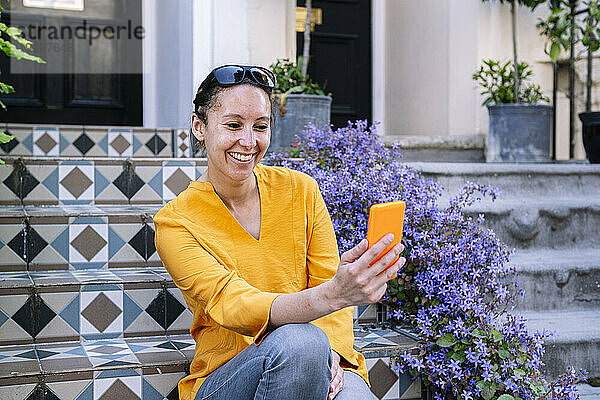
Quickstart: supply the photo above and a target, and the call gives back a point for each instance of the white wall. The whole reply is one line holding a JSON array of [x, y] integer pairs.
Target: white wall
[[167, 49], [241, 31]]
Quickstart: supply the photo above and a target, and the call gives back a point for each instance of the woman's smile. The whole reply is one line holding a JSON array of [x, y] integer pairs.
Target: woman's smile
[[242, 157]]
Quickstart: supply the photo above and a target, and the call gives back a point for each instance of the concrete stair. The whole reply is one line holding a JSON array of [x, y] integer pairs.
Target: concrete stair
[[550, 214], [87, 310]]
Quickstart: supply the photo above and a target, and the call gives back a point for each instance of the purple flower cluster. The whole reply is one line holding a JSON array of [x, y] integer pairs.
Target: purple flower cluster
[[456, 289]]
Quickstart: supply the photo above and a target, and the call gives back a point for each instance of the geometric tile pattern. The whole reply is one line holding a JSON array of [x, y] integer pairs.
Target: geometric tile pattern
[[69, 141], [176, 177], [183, 143], [129, 355], [89, 304], [48, 238], [58, 181], [46, 141], [120, 142]]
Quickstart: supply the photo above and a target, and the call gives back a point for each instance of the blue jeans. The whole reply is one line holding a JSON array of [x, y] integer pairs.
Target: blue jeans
[[292, 362]]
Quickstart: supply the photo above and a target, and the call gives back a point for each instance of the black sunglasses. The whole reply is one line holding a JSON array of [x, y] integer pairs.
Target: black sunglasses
[[234, 74]]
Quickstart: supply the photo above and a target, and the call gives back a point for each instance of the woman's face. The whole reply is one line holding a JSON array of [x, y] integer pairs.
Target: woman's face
[[237, 133]]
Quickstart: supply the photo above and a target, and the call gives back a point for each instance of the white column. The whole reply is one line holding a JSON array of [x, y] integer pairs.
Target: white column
[[202, 39], [149, 103], [379, 51]]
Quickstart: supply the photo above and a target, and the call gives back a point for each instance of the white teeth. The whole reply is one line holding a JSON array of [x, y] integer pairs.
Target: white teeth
[[241, 157]]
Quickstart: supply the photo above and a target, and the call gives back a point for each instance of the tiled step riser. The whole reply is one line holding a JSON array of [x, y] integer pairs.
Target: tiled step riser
[[558, 228], [517, 180], [564, 289], [100, 182], [137, 368], [96, 141], [149, 368], [62, 242], [46, 312]]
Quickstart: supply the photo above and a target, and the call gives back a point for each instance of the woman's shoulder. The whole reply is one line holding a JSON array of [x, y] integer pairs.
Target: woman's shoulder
[[282, 176]]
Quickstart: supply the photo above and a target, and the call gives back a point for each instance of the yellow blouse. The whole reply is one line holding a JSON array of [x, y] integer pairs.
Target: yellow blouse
[[229, 278]]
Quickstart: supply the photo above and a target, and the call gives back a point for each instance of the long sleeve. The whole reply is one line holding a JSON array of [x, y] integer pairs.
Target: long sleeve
[[322, 261], [216, 289]]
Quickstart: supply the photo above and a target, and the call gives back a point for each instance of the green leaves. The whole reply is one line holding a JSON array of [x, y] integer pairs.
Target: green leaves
[[447, 340], [488, 389], [497, 78], [554, 51], [290, 80], [506, 397], [4, 138], [557, 28]]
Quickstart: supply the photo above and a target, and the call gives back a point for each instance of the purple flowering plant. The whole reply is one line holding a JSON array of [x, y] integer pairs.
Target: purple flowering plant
[[456, 290]]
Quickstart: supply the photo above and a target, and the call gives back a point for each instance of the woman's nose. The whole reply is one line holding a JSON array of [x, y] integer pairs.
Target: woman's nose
[[248, 138]]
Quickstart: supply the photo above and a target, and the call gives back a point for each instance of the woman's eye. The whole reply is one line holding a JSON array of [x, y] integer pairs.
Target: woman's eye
[[262, 127], [233, 125]]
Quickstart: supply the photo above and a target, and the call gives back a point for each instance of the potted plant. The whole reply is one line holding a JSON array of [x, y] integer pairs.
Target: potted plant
[[519, 127], [565, 28], [299, 102], [456, 288]]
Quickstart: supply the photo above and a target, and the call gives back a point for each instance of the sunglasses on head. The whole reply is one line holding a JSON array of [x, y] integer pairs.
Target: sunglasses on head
[[233, 74]]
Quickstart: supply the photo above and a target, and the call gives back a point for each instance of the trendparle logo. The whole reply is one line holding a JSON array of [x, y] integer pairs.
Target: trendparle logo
[[82, 46], [83, 31]]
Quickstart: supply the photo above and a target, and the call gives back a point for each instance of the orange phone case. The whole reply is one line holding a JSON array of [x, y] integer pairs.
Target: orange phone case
[[386, 218]]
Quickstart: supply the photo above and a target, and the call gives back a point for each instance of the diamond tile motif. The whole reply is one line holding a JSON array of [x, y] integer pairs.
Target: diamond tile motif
[[83, 143], [129, 183], [88, 243], [156, 144], [165, 309], [101, 314], [143, 242], [76, 182], [34, 315], [382, 379], [45, 141], [21, 182], [120, 143], [35, 244], [178, 181], [182, 143], [110, 352]]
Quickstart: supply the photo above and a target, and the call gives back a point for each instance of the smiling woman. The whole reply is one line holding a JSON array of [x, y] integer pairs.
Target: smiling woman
[[253, 250]]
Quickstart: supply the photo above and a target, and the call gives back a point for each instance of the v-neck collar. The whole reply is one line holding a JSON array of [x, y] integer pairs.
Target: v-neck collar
[[261, 195]]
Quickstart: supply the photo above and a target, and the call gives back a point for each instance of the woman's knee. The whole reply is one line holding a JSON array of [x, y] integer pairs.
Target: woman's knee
[[302, 341]]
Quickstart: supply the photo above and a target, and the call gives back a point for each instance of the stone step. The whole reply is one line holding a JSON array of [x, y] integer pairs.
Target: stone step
[[149, 368], [51, 306], [447, 148], [567, 279], [518, 180], [587, 392], [543, 222], [577, 342], [68, 181], [96, 141], [77, 237]]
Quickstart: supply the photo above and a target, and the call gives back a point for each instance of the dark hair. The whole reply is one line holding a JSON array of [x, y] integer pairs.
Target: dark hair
[[207, 94]]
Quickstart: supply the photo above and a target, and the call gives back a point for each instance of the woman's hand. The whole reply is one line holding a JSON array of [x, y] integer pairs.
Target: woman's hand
[[356, 282], [337, 374]]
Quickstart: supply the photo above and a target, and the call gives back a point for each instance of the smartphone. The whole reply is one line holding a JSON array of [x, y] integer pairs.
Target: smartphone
[[386, 218]]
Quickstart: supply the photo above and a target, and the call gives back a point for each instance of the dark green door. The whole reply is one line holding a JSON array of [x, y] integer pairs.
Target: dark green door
[[93, 70]]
